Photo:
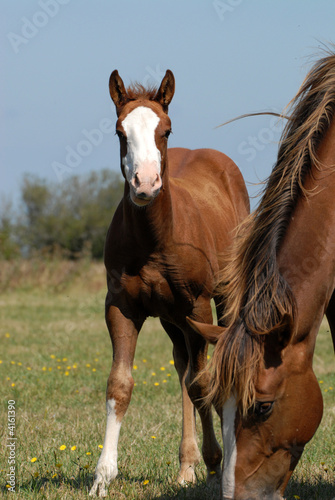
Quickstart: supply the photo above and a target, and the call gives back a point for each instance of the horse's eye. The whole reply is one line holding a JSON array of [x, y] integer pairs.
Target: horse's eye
[[263, 408], [167, 133]]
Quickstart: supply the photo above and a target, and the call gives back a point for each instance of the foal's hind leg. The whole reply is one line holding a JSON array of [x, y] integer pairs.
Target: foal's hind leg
[[124, 333], [189, 455], [197, 389]]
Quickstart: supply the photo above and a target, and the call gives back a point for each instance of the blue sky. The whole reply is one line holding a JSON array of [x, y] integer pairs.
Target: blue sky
[[228, 56]]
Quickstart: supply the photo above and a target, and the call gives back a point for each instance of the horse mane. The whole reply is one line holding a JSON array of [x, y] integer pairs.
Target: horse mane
[[138, 91], [257, 298]]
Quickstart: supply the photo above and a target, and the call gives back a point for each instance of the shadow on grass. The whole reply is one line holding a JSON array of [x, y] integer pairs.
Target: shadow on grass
[[318, 490], [83, 481], [197, 492]]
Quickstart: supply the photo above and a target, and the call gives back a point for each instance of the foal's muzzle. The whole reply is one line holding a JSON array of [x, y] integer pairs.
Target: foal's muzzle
[[144, 189]]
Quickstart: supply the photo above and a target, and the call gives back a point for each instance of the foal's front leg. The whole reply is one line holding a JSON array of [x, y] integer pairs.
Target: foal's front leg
[[124, 333]]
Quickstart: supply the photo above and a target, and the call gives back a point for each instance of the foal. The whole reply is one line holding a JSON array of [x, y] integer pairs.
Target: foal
[[178, 213]]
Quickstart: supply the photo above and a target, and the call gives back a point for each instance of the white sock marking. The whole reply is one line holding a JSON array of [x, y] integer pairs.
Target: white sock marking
[[112, 432], [106, 469], [230, 450]]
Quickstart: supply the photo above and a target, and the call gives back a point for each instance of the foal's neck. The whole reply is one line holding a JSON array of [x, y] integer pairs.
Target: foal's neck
[[151, 225]]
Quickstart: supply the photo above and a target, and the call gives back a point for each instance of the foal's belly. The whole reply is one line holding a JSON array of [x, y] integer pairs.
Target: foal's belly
[[158, 296]]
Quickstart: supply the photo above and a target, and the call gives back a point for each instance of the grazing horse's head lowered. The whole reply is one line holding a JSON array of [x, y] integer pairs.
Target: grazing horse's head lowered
[[143, 127], [278, 284]]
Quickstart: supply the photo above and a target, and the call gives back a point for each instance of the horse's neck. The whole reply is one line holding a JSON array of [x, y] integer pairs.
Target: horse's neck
[[306, 255], [150, 226]]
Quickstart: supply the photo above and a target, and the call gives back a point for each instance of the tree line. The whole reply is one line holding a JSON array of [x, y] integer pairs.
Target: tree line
[[70, 218]]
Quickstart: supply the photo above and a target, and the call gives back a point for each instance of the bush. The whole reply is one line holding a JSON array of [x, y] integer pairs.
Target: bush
[[72, 217]]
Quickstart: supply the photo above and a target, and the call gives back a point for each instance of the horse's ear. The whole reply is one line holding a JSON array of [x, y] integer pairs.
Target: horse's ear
[[166, 90], [117, 90], [211, 333]]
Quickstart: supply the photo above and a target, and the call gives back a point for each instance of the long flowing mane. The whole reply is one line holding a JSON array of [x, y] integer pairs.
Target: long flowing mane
[[257, 297]]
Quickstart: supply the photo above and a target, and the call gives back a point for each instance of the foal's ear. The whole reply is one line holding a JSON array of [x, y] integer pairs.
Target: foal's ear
[[166, 90], [117, 90], [211, 333]]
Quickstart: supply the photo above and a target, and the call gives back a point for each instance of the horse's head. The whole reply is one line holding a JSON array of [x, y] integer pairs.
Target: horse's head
[[143, 127], [263, 443]]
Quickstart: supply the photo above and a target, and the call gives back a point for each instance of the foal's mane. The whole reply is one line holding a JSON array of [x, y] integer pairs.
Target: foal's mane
[[138, 91], [257, 299]]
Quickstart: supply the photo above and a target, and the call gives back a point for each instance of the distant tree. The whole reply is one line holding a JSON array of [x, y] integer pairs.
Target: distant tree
[[73, 216], [9, 247]]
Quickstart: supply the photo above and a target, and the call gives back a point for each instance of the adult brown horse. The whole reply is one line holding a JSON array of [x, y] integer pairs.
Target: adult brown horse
[[278, 285], [178, 213]]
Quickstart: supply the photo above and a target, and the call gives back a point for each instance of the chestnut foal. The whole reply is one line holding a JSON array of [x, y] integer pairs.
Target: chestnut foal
[[178, 213]]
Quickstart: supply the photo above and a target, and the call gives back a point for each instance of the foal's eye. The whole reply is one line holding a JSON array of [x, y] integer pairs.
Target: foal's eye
[[263, 408], [167, 133]]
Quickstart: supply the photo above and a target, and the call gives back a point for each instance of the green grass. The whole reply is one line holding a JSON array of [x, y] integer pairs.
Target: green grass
[[56, 356]]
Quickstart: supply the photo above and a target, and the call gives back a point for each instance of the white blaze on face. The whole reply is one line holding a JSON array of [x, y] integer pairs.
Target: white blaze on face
[[142, 158], [230, 450]]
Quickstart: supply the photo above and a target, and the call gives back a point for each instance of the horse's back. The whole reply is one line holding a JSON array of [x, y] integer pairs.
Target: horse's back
[[181, 160], [211, 174]]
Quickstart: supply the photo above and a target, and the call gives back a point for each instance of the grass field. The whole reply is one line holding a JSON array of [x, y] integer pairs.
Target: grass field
[[55, 359]]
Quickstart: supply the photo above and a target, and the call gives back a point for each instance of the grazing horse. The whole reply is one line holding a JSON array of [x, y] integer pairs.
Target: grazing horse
[[162, 252], [278, 283]]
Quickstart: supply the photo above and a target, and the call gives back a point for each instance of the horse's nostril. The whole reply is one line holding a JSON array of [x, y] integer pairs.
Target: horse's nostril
[[137, 180], [155, 181]]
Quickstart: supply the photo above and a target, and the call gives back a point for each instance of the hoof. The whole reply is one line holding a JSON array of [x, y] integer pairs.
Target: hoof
[[98, 490], [187, 476], [104, 474]]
